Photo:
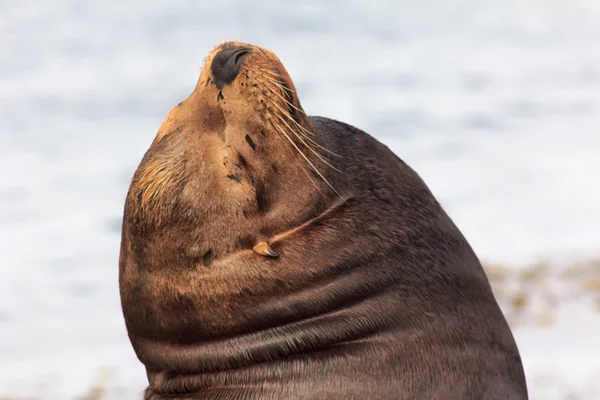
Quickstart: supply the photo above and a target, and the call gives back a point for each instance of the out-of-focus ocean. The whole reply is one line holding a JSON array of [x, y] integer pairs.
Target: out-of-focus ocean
[[496, 103]]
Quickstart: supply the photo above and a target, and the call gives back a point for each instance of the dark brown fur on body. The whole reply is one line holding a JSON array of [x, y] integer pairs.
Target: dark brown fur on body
[[375, 293]]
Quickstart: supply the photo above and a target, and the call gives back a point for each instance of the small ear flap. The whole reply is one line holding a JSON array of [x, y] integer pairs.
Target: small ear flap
[[264, 249]]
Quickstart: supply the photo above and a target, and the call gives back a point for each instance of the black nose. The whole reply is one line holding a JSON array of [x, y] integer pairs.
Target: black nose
[[226, 65]]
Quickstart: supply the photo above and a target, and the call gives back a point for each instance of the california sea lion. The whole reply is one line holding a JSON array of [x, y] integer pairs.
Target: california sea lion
[[270, 255]]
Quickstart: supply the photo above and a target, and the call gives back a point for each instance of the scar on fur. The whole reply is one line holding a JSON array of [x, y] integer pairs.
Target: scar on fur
[[264, 249]]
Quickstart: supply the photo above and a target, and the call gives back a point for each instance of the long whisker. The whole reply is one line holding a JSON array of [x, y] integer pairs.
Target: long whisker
[[308, 146], [309, 177], [302, 140], [307, 137], [280, 85], [307, 160], [298, 125], [273, 73], [299, 110], [303, 168], [281, 97]]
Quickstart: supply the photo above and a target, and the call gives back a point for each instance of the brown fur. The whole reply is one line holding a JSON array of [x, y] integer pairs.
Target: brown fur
[[375, 293]]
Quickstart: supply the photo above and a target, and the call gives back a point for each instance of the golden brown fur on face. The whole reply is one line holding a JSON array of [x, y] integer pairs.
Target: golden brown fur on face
[[230, 144]]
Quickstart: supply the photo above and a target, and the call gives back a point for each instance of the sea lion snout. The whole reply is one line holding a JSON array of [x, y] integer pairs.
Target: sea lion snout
[[227, 63]]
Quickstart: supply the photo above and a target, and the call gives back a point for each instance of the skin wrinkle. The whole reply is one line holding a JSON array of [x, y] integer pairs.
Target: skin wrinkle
[[374, 292], [197, 355]]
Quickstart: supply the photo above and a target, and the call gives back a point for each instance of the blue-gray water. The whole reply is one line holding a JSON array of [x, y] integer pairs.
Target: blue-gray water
[[495, 103]]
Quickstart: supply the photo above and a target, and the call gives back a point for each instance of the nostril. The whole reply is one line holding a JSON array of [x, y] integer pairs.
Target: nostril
[[226, 65], [239, 55]]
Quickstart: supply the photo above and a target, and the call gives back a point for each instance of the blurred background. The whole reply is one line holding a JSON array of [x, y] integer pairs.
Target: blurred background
[[495, 103]]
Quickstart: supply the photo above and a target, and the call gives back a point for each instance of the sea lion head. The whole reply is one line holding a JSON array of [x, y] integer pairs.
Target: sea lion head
[[234, 149]]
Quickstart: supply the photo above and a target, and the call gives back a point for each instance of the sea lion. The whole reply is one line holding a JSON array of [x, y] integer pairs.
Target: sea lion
[[270, 255]]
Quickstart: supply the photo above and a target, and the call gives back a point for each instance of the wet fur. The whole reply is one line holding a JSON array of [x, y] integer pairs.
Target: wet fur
[[375, 293]]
